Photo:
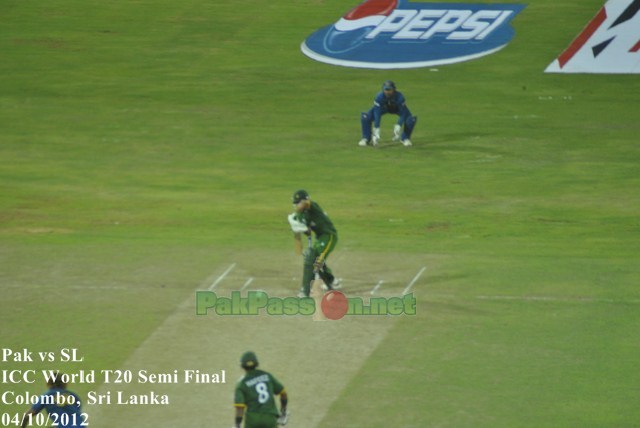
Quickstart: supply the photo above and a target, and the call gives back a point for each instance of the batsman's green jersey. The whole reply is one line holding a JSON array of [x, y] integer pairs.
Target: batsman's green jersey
[[256, 392], [317, 220], [326, 240]]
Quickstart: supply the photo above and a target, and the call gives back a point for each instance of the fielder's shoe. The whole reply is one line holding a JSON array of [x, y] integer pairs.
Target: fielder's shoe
[[397, 132], [374, 141], [363, 142], [407, 142]]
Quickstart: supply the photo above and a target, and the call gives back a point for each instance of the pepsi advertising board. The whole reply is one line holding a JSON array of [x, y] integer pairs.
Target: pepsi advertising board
[[393, 34]]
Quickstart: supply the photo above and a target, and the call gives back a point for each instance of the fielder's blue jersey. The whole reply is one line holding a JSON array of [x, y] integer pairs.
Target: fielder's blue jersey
[[382, 104], [62, 405]]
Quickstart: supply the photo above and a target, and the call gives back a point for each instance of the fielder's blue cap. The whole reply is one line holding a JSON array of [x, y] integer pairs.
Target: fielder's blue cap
[[389, 84]]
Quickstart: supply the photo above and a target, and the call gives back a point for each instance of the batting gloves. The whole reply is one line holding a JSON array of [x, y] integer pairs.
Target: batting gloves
[[318, 264], [283, 418]]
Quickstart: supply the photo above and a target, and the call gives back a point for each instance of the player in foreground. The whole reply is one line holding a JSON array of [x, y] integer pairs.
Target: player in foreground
[[389, 100], [62, 405], [309, 217], [255, 397]]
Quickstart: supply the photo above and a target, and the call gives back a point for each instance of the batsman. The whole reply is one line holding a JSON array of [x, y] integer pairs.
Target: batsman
[[308, 217]]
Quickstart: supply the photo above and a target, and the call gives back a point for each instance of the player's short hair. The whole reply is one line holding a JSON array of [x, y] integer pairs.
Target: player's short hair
[[57, 381]]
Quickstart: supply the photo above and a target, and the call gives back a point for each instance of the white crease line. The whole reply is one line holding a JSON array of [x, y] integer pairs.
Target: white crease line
[[376, 287], [221, 277], [413, 281], [246, 284]]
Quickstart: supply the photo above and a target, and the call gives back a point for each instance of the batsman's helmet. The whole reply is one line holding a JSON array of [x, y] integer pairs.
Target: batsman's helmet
[[300, 195], [389, 84], [249, 360]]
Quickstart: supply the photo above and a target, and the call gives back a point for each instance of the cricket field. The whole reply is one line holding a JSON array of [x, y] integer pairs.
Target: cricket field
[[150, 150]]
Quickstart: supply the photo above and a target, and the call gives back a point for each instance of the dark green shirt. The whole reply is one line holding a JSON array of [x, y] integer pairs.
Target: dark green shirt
[[317, 220], [257, 391]]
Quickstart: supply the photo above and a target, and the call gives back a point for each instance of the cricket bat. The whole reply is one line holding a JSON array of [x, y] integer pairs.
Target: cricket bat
[[317, 294], [297, 239]]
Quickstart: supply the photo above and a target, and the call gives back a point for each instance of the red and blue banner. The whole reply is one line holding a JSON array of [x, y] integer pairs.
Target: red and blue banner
[[610, 43]]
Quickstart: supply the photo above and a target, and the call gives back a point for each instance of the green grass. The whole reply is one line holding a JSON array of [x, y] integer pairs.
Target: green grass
[[146, 145], [500, 363]]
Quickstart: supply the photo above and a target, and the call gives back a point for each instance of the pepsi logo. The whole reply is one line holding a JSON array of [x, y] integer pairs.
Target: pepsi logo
[[388, 34]]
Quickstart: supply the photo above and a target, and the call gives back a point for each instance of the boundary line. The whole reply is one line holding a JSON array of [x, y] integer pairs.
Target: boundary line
[[413, 281]]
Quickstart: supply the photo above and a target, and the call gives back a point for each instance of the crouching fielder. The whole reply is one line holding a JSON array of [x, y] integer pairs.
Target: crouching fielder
[[307, 218], [389, 100]]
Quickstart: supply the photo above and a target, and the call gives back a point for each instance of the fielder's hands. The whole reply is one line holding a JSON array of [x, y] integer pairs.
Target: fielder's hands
[[284, 418], [376, 136], [397, 132]]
